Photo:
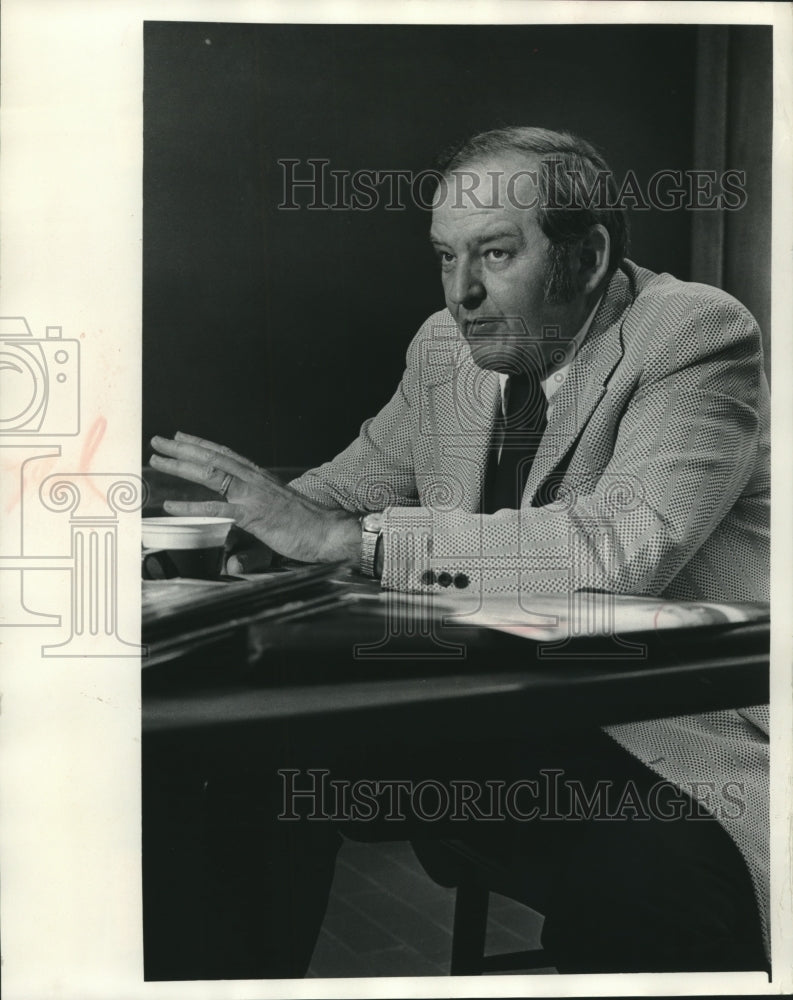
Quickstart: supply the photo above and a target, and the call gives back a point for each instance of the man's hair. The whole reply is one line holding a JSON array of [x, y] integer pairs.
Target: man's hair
[[576, 191]]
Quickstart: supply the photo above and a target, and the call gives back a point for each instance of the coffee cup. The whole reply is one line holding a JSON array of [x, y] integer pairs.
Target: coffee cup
[[190, 547]]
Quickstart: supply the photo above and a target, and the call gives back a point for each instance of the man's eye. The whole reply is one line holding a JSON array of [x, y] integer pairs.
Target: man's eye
[[496, 254], [445, 257]]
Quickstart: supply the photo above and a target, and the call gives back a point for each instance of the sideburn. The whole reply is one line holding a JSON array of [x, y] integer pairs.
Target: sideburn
[[560, 286]]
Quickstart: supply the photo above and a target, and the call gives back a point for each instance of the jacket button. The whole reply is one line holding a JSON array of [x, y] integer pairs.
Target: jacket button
[[444, 579], [461, 581], [428, 577]]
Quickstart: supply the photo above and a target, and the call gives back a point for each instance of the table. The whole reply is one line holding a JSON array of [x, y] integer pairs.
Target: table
[[340, 682], [339, 668]]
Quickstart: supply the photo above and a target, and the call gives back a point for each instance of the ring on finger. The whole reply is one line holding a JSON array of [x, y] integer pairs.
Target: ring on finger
[[224, 486]]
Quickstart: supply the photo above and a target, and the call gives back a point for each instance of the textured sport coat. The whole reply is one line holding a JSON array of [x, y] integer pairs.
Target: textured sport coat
[[656, 453], [651, 478]]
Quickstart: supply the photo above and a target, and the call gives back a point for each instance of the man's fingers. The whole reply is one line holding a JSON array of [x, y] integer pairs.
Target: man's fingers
[[204, 508], [197, 464], [220, 449], [252, 560], [207, 475], [245, 553], [187, 451]]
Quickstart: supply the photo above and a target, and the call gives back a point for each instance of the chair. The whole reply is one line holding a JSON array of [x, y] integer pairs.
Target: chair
[[475, 874]]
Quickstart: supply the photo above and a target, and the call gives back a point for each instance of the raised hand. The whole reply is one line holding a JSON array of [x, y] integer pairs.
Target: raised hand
[[282, 518]]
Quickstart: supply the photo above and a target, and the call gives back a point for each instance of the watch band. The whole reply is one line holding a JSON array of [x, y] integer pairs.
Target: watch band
[[371, 532]]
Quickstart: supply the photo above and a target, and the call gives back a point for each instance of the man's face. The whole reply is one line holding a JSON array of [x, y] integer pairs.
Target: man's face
[[495, 265]]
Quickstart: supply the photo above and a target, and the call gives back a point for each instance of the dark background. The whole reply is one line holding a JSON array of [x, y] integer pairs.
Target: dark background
[[278, 332]]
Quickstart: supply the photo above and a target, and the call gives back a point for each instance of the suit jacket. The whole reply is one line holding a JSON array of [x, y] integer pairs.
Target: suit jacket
[[651, 478]]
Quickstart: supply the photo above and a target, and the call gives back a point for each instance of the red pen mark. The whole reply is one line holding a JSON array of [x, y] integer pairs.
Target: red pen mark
[[92, 442], [32, 473]]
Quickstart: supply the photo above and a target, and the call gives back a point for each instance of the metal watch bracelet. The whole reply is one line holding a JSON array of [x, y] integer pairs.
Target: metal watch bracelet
[[371, 533]]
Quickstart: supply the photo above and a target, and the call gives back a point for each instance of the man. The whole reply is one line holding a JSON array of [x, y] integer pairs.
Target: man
[[570, 421]]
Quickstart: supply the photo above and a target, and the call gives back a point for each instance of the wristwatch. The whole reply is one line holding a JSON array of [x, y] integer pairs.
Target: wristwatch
[[371, 532]]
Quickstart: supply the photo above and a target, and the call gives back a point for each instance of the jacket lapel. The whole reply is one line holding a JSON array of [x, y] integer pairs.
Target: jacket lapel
[[585, 384], [464, 409], [462, 401]]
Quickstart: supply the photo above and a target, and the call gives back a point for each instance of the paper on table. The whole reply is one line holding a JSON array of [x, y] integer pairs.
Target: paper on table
[[595, 613]]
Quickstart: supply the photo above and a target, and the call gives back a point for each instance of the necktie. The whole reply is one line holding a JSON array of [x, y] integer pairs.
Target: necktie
[[521, 428]]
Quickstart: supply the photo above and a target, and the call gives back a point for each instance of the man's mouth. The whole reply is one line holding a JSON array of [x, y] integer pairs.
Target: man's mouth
[[481, 325]]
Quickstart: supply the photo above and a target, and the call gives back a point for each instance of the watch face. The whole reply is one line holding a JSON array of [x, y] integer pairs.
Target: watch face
[[373, 522]]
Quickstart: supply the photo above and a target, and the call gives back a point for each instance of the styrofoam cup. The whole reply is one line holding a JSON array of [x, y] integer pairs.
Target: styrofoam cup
[[185, 532]]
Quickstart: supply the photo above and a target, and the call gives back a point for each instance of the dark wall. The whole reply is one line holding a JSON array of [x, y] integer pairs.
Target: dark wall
[[278, 332]]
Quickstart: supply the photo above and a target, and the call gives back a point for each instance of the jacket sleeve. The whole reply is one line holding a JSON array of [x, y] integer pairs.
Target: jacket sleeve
[[684, 448]]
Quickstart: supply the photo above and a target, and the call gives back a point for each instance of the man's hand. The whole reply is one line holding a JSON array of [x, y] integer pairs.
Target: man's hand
[[282, 518], [246, 554]]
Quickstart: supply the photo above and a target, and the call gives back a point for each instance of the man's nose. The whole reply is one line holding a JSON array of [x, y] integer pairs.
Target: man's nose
[[466, 288]]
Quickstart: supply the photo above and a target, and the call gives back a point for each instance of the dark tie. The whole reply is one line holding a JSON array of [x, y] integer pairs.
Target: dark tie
[[522, 427]]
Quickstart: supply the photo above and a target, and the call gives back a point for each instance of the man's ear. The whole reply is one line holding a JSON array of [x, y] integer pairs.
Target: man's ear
[[593, 258]]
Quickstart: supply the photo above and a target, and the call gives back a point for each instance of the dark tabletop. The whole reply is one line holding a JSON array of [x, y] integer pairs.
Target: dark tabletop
[[341, 669]]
